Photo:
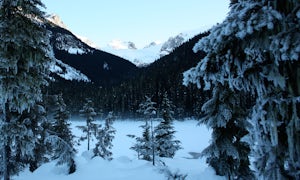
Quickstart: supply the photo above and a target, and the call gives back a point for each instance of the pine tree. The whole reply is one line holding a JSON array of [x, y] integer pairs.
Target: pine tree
[[256, 50], [65, 152], [164, 132], [105, 137], [24, 68], [90, 129]]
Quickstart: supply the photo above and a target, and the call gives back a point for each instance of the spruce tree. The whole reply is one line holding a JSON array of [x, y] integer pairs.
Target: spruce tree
[[105, 137], [256, 50], [227, 153], [65, 151], [26, 58], [40, 125], [90, 129], [22, 144], [145, 145], [164, 132]]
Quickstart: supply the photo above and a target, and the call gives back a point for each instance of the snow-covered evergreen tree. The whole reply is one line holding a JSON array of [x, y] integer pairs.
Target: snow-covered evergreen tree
[[21, 144], [40, 126], [35, 121], [90, 129], [25, 60], [225, 113], [105, 137], [256, 50], [65, 152], [147, 108], [145, 145], [164, 132]]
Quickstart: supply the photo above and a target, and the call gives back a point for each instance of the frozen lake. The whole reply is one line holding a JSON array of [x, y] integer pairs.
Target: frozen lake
[[125, 165]]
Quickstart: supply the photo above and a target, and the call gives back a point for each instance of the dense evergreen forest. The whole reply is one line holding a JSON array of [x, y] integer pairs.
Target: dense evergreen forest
[[164, 75]]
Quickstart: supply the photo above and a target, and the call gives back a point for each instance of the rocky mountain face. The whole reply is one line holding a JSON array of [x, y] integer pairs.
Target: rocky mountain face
[[56, 20], [172, 43]]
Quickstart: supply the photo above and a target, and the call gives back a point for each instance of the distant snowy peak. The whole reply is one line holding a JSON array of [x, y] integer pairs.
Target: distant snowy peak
[[118, 44], [151, 52], [152, 44], [174, 42], [68, 42], [55, 19], [139, 57]]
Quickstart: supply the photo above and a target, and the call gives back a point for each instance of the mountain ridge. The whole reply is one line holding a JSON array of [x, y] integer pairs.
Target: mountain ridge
[[127, 49]]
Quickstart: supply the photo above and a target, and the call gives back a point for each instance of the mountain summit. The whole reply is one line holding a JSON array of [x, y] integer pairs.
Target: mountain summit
[[55, 19]]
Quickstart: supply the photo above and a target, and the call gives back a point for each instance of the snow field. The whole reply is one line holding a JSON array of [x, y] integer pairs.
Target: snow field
[[125, 164]]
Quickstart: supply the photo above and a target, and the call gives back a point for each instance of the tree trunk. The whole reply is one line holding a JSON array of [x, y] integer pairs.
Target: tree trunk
[[88, 136], [152, 144]]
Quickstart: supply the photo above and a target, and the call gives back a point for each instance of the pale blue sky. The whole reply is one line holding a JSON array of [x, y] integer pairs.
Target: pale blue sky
[[140, 21]]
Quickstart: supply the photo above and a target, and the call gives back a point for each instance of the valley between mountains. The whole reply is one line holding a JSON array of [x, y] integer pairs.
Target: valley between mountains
[[119, 76]]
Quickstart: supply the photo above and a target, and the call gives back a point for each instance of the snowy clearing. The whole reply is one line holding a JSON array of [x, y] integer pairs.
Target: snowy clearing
[[125, 164]]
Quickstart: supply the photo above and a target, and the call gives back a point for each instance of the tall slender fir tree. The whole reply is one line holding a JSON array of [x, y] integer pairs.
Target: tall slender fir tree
[[65, 152], [145, 145], [90, 129], [164, 131], [105, 137]]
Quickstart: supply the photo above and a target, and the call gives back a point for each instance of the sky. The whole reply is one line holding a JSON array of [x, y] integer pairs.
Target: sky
[[139, 21]]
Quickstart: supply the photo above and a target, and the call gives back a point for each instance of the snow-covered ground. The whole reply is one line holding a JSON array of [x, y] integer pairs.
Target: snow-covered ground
[[126, 165]]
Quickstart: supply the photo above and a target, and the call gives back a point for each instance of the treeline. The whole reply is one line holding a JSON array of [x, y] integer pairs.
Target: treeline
[[163, 76]]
